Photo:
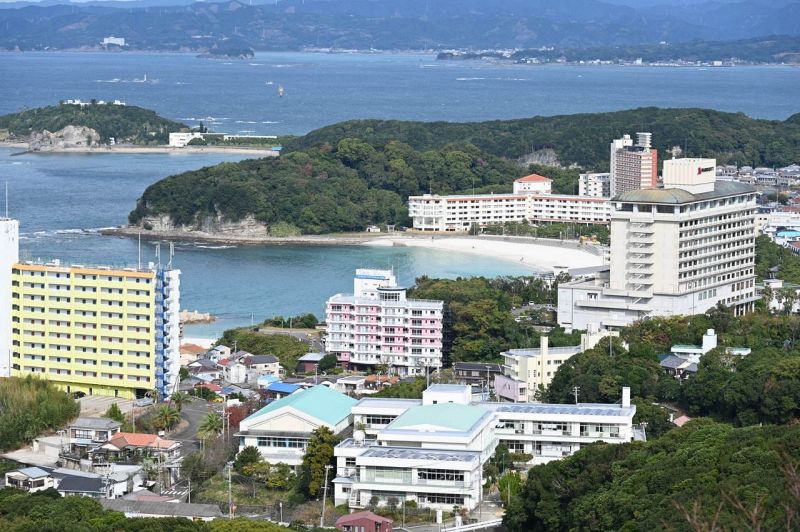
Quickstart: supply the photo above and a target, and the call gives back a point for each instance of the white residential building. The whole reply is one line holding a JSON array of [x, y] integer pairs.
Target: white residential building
[[432, 451], [533, 184], [461, 212], [182, 139], [281, 429], [9, 255], [526, 371], [595, 185], [117, 41], [675, 250], [554, 431], [378, 324]]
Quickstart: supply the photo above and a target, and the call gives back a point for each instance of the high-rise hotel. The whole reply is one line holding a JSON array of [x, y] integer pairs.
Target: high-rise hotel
[[680, 249], [94, 330]]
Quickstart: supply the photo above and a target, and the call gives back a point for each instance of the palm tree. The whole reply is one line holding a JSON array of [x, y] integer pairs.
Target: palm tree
[[179, 399], [211, 426], [167, 417]]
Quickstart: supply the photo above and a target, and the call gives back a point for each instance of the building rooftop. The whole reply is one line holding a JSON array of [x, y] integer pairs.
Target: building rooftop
[[676, 196], [282, 387], [446, 388], [580, 409], [96, 423], [78, 484], [357, 516], [32, 472], [122, 440], [444, 417], [477, 366], [536, 351], [415, 453], [171, 509], [533, 178], [319, 402], [379, 402], [311, 357], [260, 359]]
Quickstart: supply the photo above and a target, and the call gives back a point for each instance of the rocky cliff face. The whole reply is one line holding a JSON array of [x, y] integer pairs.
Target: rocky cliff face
[[68, 137], [246, 228]]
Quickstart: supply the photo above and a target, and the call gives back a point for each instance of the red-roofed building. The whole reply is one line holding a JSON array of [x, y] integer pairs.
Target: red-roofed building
[[533, 184], [364, 522], [216, 388], [131, 446]]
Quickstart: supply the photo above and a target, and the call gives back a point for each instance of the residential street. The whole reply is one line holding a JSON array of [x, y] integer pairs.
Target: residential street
[[192, 413]]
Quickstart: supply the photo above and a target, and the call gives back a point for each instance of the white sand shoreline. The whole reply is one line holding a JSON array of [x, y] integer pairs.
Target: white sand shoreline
[[535, 256], [187, 150]]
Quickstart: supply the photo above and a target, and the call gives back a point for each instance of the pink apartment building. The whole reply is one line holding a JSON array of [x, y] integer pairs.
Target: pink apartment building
[[377, 324]]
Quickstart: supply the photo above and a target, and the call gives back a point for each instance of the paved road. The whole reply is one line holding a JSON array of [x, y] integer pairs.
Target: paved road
[[193, 412]]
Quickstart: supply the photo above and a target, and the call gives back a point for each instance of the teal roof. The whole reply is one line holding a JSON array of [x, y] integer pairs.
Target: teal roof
[[448, 416], [319, 402]]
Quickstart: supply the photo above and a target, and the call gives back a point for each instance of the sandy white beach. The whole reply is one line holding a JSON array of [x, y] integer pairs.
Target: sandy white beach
[[539, 257]]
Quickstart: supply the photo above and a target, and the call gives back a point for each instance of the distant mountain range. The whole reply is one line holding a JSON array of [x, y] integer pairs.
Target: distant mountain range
[[388, 24]]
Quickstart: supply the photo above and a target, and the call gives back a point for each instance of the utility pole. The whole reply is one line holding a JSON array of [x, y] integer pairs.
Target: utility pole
[[575, 390], [324, 496], [230, 494], [190, 490]]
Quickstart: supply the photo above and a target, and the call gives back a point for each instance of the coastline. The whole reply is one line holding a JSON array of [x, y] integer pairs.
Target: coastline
[[123, 148], [537, 254]]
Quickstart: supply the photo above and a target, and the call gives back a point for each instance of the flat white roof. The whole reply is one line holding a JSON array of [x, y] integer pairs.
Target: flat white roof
[[580, 409]]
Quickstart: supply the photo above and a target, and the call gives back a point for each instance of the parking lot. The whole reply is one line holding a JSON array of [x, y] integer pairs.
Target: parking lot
[[96, 405]]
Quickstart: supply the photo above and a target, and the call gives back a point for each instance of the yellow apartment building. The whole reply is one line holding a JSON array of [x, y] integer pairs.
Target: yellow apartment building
[[96, 330]]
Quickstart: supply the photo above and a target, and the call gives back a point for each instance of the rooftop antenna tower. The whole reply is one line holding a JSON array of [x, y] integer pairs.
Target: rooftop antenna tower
[[171, 254], [139, 262], [158, 254], [6, 198], [575, 391]]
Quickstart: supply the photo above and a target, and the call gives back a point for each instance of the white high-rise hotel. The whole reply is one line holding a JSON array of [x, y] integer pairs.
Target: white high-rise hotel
[[377, 324], [680, 249]]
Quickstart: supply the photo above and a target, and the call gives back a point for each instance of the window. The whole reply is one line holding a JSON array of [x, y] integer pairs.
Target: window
[[278, 441], [442, 498], [440, 474]]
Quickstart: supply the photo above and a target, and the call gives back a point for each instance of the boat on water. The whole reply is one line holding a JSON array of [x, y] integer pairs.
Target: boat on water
[[281, 92], [268, 83]]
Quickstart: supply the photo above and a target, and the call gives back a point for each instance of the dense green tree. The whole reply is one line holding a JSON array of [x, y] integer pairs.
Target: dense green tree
[[247, 456], [319, 455], [115, 413], [286, 348], [30, 406], [328, 362], [702, 471]]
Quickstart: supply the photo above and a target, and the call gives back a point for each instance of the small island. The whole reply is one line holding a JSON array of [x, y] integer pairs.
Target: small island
[[112, 126]]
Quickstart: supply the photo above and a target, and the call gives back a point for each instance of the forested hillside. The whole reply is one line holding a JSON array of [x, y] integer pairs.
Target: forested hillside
[[323, 190], [352, 174], [584, 139], [703, 476], [125, 123]]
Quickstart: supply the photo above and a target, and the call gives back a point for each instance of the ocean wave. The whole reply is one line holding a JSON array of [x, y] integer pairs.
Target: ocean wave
[[256, 64], [469, 79], [207, 246], [271, 122], [246, 122]]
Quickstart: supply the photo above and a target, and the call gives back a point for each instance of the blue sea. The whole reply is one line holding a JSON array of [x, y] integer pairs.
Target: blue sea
[[62, 200]]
